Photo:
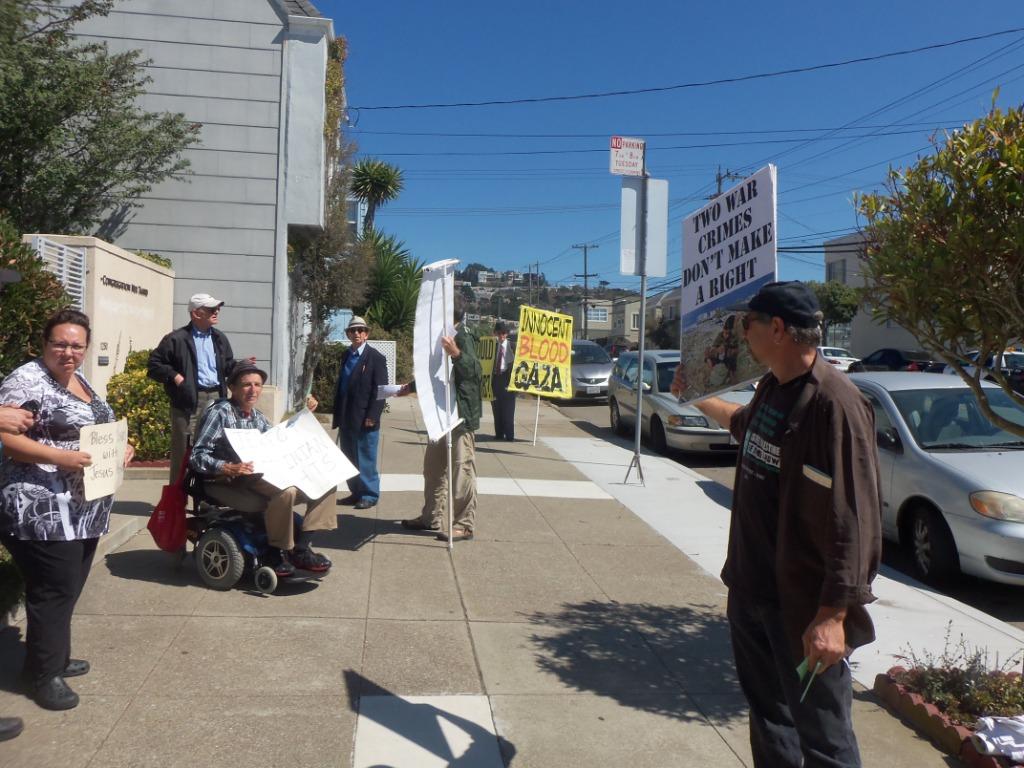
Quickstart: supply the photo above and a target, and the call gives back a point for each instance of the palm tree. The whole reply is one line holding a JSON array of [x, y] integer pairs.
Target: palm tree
[[377, 183], [394, 283]]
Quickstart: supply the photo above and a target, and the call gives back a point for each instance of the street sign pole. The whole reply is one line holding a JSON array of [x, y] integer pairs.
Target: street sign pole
[[641, 259]]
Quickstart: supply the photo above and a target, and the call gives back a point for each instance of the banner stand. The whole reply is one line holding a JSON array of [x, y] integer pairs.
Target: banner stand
[[448, 435], [536, 422]]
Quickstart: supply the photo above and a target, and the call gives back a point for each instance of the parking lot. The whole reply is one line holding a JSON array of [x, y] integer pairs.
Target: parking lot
[[998, 600]]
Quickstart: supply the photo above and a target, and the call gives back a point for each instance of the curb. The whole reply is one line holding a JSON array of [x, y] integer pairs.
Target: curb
[[929, 721]]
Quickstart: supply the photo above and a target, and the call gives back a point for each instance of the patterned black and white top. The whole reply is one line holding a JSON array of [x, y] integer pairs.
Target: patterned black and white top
[[41, 502]]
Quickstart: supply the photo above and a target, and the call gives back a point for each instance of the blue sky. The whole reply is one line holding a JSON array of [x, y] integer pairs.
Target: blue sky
[[509, 210]]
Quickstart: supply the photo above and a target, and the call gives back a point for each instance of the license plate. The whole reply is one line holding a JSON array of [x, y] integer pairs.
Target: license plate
[[593, 390]]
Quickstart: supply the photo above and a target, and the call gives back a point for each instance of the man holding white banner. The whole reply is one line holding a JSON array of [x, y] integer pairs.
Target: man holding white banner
[[466, 375], [233, 482]]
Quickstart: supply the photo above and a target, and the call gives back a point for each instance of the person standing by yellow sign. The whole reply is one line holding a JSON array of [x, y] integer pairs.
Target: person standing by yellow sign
[[543, 354]]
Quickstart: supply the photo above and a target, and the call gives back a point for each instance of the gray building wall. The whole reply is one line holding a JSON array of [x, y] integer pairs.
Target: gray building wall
[[226, 65]]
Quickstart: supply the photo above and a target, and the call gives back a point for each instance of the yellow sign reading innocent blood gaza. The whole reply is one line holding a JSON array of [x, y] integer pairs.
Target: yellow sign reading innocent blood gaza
[[543, 354]]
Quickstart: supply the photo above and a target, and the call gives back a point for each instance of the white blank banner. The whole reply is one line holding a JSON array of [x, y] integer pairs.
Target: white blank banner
[[657, 227]]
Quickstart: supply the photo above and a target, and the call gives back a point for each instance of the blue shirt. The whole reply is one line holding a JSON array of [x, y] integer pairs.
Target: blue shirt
[[350, 365], [206, 359]]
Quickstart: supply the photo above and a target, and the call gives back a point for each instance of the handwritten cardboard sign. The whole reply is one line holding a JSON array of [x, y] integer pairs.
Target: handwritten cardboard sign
[[107, 444], [296, 452]]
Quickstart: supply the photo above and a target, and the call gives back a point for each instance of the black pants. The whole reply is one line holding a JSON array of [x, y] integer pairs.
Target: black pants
[[54, 573], [504, 407], [783, 731]]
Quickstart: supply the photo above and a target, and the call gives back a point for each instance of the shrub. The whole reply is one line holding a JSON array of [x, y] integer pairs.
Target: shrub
[[26, 306], [961, 683], [143, 402]]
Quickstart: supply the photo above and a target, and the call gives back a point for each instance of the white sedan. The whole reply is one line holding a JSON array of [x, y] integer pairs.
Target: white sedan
[[838, 357], [666, 422], [952, 481]]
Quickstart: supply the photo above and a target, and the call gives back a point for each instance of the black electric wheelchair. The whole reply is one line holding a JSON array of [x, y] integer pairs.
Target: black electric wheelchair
[[228, 543]]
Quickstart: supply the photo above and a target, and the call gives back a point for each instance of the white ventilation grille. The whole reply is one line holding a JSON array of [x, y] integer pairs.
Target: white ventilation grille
[[67, 263]]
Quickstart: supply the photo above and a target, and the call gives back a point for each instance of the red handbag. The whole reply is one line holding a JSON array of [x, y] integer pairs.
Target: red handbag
[[167, 523]]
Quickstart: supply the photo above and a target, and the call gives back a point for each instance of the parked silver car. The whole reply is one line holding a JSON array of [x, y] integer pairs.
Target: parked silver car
[[591, 367], [952, 482], [667, 423]]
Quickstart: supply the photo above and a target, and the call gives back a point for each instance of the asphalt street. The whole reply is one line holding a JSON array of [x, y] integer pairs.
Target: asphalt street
[[1003, 602]]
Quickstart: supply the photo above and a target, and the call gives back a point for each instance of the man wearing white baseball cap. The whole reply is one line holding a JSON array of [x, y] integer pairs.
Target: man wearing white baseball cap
[[192, 363]]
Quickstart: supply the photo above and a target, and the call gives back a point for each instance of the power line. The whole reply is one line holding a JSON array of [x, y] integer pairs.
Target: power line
[[696, 84]]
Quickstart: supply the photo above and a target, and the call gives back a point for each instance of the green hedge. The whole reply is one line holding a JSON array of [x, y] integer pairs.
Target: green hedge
[[143, 402]]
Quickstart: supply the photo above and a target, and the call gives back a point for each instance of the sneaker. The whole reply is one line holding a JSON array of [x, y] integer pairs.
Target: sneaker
[[308, 560], [283, 568]]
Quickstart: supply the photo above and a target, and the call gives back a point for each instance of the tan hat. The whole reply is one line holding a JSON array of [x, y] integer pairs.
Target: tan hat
[[356, 322], [203, 301]]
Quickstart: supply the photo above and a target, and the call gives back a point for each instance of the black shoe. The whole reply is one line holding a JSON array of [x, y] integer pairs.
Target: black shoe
[[76, 667], [10, 727], [366, 503], [418, 525], [55, 694], [283, 567], [308, 560], [348, 501]]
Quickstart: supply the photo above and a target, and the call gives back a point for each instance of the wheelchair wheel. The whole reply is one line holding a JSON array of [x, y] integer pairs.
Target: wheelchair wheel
[[219, 559], [266, 580]]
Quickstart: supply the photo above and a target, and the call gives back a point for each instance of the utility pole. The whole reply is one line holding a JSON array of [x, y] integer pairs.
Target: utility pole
[[585, 247], [720, 177]]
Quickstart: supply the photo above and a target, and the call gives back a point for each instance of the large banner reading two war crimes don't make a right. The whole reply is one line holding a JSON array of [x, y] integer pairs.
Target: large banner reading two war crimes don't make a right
[[728, 254]]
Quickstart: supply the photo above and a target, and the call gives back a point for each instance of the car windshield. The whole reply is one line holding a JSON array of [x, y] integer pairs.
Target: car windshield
[[585, 353], [666, 372], [951, 419], [1013, 360]]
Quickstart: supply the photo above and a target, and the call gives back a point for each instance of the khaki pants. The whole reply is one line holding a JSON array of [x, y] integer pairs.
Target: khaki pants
[[254, 495], [185, 425], [435, 481]]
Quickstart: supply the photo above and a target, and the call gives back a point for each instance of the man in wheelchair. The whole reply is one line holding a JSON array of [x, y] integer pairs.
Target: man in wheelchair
[[231, 482]]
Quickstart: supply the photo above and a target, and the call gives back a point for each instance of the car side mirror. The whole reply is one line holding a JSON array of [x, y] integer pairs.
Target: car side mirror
[[647, 387], [889, 440]]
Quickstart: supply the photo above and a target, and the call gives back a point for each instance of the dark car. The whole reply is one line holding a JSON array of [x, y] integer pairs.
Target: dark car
[[899, 360]]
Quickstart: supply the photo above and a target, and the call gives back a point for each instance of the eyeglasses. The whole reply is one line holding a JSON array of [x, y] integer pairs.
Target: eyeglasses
[[357, 330], [213, 311], [63, 346]]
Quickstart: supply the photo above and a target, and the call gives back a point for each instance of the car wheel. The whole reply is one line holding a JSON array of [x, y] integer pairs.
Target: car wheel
[[658, 441], [615, 418], [935, 557]]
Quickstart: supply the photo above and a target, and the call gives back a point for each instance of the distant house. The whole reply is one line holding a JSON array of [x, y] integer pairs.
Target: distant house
[[843, 263], [252, 73]]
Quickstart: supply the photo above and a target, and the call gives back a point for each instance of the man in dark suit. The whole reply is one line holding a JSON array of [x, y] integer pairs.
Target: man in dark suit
[[357, 412], [504, 403]]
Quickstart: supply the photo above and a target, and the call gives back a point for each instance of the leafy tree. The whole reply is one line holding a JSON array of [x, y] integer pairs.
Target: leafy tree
[[467, 292], [376, 183], [945, 248], [74, 147], [839, 303], [472, 272], [26, 306], [394, 283]]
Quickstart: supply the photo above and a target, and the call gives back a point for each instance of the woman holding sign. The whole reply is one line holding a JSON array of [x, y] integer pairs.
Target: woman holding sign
[[46, 524]]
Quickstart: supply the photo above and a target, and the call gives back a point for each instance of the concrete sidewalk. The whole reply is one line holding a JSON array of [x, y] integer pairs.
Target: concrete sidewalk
[[581, 627]]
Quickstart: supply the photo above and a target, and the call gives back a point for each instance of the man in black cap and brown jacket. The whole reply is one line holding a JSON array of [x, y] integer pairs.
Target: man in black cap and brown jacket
[[805, 538]]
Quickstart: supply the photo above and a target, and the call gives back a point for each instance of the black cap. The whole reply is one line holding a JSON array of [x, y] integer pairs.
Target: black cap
[[501, 327], [791, 300], [243, 367]]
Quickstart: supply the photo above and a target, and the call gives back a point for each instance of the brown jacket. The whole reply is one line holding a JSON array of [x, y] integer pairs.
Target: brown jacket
[[829, 538]]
